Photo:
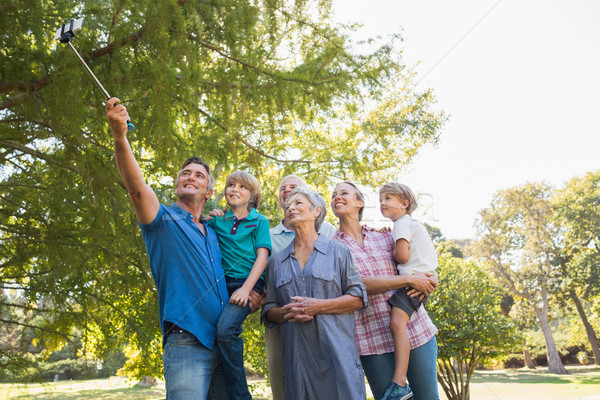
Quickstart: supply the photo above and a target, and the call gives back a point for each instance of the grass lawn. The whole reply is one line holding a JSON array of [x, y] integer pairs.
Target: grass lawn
[[112, 388], [582, 384]]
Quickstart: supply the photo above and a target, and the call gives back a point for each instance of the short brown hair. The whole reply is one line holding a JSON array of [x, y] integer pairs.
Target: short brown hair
[[197, 160], [403, 192]]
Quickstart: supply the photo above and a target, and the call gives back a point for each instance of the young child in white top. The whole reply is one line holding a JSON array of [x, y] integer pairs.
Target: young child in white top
[[415, 254]]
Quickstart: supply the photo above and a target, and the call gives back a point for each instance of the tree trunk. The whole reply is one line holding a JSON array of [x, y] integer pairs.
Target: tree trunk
[[448, 378], [528, 361], [555, 364], [589, 329]]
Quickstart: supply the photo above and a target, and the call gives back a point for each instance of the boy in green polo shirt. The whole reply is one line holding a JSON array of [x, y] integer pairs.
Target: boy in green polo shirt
[[245, 244]]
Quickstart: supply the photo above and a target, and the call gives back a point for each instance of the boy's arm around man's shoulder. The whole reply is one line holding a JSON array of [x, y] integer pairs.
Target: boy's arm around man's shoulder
[[144, 200]]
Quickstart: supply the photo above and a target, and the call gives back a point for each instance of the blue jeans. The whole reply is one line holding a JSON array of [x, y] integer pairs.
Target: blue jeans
[[421, 374], [231, 345], [189, 369]]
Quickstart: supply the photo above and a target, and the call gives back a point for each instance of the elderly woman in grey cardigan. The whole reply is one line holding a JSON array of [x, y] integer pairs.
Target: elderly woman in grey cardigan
[[312, 291]]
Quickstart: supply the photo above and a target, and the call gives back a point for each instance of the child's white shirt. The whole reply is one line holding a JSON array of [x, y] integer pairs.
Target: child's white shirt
[[422, 256]]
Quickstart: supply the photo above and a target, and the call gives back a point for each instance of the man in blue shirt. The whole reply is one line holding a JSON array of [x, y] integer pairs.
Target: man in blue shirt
[[185, 261]]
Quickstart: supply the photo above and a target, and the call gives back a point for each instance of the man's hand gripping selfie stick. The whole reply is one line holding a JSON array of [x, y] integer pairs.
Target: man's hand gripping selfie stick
[[64, 35]]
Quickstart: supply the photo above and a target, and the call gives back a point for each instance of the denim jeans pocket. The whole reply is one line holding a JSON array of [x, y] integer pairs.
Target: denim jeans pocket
[[181, 339]]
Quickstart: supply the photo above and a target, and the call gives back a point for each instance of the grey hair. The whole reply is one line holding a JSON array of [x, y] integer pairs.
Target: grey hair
[[315, 199], [303, 183]]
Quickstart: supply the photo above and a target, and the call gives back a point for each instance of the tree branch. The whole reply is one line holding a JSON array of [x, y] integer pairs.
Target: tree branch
[[6, 87], [35, 153], [64, 335], [25, 307], [247, 144], [261, 71]]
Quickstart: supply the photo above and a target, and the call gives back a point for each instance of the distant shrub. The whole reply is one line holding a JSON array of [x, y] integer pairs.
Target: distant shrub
[[255, 356], [583, 358], [514, 360], [66, 369]]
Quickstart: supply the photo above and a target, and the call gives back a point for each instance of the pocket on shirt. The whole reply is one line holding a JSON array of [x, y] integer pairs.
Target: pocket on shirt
[[323, 283], [282, 278], [283, 286]]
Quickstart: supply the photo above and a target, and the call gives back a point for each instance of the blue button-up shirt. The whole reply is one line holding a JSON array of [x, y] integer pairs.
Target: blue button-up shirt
[[186, 267], [320, 358]]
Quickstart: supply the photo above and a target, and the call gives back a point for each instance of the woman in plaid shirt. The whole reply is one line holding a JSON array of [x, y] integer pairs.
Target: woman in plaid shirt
[[372, 254]]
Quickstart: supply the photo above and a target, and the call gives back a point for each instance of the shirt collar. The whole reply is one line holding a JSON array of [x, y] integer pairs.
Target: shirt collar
[[185, 213], [252, 216], [365, 230], [321, 245], [180, 210], [406, 216], [279, 229]]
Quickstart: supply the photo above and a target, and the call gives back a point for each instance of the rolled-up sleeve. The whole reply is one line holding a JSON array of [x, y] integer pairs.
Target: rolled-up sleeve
[[352, 282], [272, 299]]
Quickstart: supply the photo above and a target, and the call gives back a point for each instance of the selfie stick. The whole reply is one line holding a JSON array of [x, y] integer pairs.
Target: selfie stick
[[64, 35]]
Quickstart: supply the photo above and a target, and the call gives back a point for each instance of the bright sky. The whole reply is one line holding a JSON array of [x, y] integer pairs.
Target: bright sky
[[520, 81]]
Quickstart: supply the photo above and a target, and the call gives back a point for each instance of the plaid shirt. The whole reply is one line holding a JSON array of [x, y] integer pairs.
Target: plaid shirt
[[372, 326]]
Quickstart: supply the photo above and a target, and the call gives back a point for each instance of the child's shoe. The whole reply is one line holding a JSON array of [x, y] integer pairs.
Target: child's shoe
[[393, 391]]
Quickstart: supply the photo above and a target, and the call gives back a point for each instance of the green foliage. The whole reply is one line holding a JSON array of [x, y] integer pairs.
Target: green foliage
[[266, 86], [472, 329], [114, 361], [449, 248], [436, 233], [442, 245], [506, 304], [578, 337], [65, 369], [583, 358], [518, 239], [255, 353], [520, 242], [542, 243], [536, 343], [578, 211], [523, 315]]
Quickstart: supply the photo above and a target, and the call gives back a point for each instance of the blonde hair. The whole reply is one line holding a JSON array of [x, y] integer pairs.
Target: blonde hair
[[403, 192], [250, 182]]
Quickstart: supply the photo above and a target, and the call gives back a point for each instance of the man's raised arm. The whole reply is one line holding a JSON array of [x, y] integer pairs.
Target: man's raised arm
[[143, 198]]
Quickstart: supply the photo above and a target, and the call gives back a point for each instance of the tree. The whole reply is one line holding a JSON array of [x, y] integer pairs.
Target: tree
[[449, 248], [266, 86], [436, 233], [442, 245], [472, 328], [518, 242], [578, 212]]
